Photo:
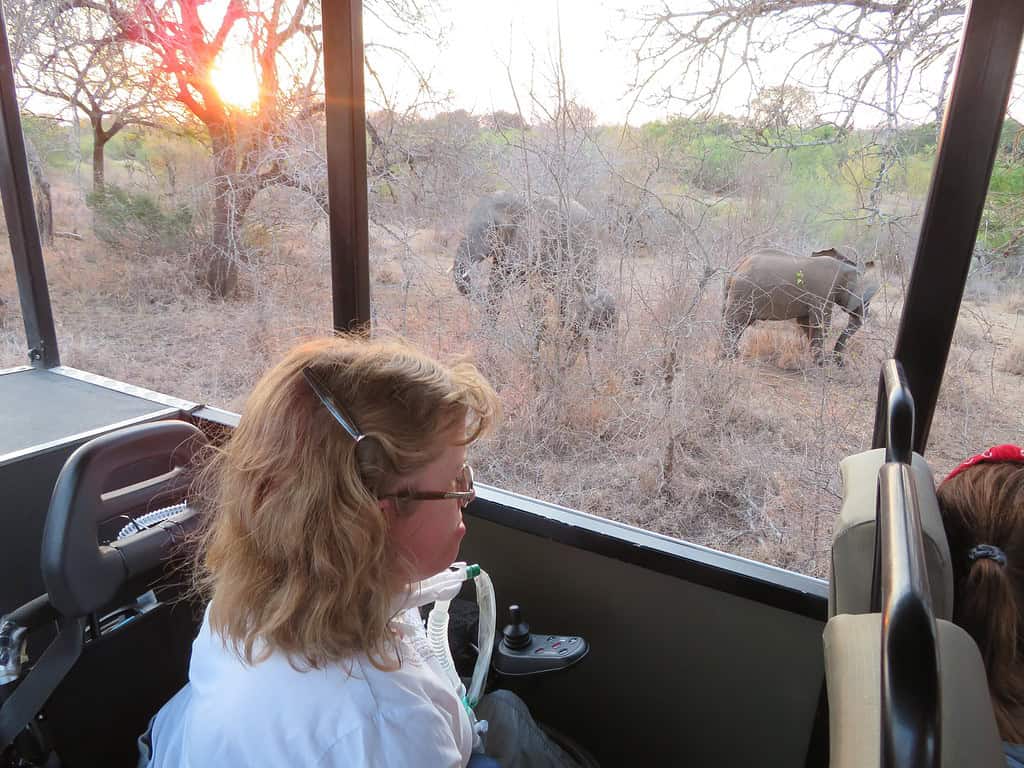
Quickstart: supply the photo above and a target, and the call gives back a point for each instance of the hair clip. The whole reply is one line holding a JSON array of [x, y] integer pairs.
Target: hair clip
[[987, 551], [324, 395]]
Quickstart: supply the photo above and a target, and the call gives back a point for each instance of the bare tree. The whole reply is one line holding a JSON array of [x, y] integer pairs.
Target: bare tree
[[181, 41], [861, 53], [69, 61], [181, 46], [868, 58]]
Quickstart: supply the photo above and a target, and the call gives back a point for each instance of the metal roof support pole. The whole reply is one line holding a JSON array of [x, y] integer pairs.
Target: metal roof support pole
[[967, 148], [19, 211], [346, 163]]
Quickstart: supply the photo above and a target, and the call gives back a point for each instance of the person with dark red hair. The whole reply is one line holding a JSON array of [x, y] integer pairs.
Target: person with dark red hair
[[982, 505]]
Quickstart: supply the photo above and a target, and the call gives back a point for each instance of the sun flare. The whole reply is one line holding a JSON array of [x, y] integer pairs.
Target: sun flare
[[235, 78]]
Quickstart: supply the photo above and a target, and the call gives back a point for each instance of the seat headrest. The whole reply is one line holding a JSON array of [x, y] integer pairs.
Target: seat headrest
[[853, 542], [110, 479]]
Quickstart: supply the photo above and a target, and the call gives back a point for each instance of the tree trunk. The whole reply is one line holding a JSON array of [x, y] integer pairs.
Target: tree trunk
[[99, 142], [40, 194], [220, 256]]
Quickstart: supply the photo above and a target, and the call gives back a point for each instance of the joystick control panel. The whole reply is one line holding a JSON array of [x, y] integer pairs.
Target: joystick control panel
[[522, 652]]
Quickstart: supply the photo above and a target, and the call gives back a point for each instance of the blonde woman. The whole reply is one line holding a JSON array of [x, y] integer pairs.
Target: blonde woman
[[343, 485]]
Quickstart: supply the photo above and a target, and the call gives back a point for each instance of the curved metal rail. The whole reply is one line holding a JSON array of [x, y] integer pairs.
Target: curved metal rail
[[911, 697]]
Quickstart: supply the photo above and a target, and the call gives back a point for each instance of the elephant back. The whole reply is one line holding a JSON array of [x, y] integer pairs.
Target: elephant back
[[559, 241], [539, 237], [771, 266], [772, 284]]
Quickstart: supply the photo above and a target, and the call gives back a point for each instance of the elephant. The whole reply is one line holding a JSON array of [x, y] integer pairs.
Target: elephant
[[771, 284], [541, 241]]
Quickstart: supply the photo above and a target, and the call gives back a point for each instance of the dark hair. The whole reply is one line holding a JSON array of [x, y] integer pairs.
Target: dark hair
[[984, 504]]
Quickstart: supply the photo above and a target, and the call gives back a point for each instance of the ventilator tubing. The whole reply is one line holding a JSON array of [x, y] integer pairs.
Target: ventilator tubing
[[443, 588], [485, 635]]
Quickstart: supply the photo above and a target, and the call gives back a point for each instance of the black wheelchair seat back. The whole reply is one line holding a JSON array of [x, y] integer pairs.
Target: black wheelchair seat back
[[114, 534]]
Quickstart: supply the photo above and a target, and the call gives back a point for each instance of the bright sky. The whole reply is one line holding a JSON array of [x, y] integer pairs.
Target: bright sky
[[485, 36], [485, 39]]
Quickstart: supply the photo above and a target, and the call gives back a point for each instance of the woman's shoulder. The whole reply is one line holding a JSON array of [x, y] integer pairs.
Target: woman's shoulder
[[347, 687], [353, 714]]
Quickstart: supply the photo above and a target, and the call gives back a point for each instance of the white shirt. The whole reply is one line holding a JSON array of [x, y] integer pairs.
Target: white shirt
[[269, 714]]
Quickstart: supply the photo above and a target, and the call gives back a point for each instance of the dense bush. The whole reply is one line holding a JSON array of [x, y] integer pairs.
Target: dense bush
[[136, 224]]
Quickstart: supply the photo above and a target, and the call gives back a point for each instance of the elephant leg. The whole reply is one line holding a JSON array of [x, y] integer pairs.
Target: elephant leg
[[536, 310], [813, 327], [734, 323], [856, 321], [578, 341], [502, 277], [804, 324], [492, 304], [826, 320]]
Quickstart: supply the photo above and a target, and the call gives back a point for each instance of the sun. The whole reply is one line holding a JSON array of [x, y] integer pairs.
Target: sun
[[235, 78]]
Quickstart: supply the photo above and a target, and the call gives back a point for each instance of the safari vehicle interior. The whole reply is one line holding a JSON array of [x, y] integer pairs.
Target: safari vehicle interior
[[696, 657]]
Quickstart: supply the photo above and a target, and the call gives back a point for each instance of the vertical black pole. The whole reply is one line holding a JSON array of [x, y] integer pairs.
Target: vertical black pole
[[967, 149], [19, 211], [346, 163]]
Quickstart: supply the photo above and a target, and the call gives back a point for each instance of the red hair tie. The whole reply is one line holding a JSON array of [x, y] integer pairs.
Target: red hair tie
[[994, 455]]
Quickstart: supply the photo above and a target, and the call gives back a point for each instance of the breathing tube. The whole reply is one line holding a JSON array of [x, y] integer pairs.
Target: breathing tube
[[441, 589]]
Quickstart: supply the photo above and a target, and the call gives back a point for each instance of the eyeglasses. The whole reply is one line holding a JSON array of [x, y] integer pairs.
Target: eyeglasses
[[464, 491]]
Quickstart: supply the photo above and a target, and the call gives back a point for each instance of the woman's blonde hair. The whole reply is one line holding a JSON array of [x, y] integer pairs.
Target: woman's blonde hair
[[984, 504], [295, 556]]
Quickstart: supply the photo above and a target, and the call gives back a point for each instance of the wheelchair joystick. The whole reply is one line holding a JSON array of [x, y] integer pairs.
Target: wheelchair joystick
[[521, 653], [516, 635]]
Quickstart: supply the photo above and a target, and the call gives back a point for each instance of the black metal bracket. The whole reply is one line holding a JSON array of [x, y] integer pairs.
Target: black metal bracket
[[985, 68], [20, 213]]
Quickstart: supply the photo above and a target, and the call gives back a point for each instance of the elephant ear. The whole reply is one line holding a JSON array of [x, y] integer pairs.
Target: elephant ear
[[870, 280]]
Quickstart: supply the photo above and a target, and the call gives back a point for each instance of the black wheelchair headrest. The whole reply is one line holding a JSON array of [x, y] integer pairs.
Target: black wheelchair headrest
[[110, 480]]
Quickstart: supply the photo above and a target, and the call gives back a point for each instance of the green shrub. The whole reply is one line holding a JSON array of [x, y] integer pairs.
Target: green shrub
[[135, 222], [52, 140], [717, 163], [1007, 180]]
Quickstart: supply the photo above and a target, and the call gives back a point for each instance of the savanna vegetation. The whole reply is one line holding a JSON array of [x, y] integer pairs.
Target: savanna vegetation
[[176, 267]]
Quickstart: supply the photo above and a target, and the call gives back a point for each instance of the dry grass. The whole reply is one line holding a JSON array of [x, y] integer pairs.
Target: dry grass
[[1014, 360], [783, 346], [1013, 303], [650, 427]]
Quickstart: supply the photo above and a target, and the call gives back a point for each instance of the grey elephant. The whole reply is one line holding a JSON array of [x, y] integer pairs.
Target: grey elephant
[[771, 284], [536, 240]]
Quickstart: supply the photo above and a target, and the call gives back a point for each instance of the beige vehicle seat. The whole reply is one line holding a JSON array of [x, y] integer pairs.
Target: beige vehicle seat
[[852, 638], [853, 676], [853, 544]]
